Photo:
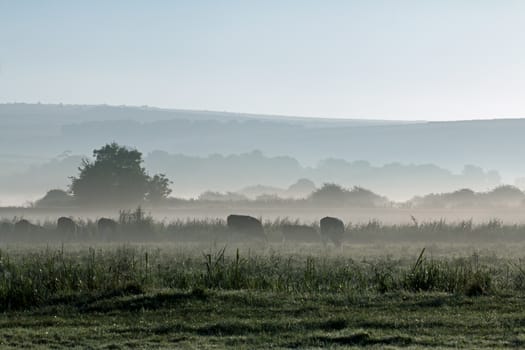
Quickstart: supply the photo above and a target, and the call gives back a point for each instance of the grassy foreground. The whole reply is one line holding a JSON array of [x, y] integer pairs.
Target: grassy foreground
[[246, 319], [117, 297]]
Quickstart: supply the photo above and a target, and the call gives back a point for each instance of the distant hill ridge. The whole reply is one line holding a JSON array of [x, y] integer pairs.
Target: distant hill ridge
[[41, 132], [82, 113]]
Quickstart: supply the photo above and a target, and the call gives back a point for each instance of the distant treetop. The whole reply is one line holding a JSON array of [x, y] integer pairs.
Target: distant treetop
[[117, 177]]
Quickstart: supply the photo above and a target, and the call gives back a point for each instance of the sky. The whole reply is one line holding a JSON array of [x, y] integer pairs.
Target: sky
[[411, 60]]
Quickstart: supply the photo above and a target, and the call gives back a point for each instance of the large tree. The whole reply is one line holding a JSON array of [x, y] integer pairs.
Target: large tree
[[117, 177]]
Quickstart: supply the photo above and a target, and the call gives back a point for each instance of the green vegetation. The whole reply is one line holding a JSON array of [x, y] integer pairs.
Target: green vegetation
[[247, 320], [206, 296], [194, 284], [33, 278]]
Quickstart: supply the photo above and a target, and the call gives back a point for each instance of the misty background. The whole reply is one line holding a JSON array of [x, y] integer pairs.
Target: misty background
[[381, 83], [231, 152]]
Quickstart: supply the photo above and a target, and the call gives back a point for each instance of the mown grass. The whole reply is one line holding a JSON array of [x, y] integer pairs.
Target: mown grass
[[255, 319]]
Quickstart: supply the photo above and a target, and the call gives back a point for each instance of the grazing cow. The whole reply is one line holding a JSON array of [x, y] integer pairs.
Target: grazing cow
[[5, 227], [66, 227], [301, 233], [23, 226], [24, 230], [332, 229], [107, 226], [246, 225]]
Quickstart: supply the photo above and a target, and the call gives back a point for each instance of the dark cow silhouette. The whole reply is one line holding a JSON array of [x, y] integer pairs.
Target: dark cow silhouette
[[6, 227], [23, 226], [6, 230], [246, 225], [302, 233], [66, 226], [24, 230], [332, 229], [107, 226]]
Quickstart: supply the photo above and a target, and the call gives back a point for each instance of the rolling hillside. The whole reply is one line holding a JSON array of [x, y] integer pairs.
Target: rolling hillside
[[33, 136]]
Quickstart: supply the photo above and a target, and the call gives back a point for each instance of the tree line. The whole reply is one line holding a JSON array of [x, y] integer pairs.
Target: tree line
[[116, 177]]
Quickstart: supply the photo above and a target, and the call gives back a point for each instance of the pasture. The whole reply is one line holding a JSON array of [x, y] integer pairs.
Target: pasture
[[260, 295], [137, 282]]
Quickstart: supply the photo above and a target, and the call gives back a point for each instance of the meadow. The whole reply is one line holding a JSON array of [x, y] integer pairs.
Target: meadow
[[191, 284]]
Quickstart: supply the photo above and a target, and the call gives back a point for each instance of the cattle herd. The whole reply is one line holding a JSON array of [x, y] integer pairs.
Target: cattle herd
[[330, 229]]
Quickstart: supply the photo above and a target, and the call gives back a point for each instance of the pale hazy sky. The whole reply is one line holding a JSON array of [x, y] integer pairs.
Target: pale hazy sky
[[393, 59]]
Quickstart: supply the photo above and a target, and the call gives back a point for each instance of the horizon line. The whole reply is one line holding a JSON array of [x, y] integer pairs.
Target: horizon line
[[264, 115]]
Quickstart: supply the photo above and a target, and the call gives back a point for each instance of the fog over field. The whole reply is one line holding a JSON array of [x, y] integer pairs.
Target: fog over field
[[281, 174], [231, 152]]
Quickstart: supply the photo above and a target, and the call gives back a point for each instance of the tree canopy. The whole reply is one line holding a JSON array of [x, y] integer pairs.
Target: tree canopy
[[116, 176], [332, 194], [55, 198]]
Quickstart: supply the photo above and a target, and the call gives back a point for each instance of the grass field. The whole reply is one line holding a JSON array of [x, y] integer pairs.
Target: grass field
[[190, 296], [251, 319]]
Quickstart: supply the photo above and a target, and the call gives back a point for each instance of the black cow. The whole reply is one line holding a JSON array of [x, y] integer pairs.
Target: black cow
[[332, 229], [301, 233], [107, 226], [23, 226], [246, 225], [66, 227], [24, 230], [6, 227]]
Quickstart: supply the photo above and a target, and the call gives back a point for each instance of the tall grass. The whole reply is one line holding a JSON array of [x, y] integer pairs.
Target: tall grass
[[32, 277]]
